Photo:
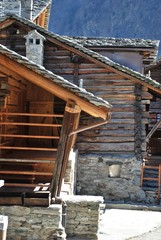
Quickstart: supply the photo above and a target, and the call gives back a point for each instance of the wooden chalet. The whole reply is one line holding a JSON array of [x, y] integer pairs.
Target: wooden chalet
[[40, 114], [121, 142], [136, 54]]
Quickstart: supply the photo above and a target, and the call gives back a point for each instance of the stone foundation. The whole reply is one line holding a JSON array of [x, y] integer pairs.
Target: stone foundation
[[34, 223], [82, 216], [94, 177], [69, 183]]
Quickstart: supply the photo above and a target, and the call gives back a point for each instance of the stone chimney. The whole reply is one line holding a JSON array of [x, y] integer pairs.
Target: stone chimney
[[27, 8], [35, 47]]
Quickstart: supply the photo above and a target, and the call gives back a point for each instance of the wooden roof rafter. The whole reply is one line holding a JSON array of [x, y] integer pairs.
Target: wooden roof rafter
[[7, 23], [9, 65]]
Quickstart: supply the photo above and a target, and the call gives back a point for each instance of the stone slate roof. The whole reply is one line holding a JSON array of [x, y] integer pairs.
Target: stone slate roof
[[39, 6], [55, 78], [100, 58], [115, 42]]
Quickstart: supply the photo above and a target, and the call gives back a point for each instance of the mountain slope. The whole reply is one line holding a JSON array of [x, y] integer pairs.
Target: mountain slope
[[107, 18]]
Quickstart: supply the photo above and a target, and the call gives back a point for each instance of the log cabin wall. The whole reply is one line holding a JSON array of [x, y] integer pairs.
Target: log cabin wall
[[121, 142], [155, 115], [112, 154], [14, 102]]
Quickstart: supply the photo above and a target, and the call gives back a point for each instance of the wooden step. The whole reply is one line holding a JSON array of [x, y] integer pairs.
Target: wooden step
[[29, 148], [26, 173], [28, 136], [26, 185], [18, 178], [150, 178], [31, 124], [29, 160]]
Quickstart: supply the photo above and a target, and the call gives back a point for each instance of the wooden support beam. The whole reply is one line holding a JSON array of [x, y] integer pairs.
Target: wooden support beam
[[108, 68], [70, 123], [49, 85], [6, 23]]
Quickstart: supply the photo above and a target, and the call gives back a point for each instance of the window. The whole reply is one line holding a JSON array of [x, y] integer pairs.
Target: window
[[37, 41], [31, 41]]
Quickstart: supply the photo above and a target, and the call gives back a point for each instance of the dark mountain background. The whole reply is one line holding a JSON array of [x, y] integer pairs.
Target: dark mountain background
[[107, 18]]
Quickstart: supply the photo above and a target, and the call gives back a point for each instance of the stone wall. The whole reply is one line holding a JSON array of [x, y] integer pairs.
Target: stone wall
[[69, 183], [94, 177], [82, 216], [37, 223]]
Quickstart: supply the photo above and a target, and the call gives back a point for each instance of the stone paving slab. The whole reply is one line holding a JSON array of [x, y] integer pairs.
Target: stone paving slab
[[121, 224], [153, 235]]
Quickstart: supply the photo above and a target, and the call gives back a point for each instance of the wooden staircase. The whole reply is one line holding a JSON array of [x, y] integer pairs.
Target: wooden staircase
[[22, 164], [151, 175]]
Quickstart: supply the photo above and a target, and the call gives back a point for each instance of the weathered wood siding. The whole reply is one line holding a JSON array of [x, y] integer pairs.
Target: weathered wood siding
[[126, 130], [14, 102]]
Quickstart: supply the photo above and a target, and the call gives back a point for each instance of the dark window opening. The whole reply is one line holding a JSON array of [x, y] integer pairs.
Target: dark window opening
[[37, 41], [31, 41]]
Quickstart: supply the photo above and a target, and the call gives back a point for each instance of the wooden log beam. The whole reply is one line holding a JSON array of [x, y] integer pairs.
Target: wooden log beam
[[6, 23], [92, 59], [49, 85], [70, 123]]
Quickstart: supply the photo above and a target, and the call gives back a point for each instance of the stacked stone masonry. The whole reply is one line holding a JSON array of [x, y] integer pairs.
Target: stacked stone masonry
[[34, 223], [94, 179], [82, 216]]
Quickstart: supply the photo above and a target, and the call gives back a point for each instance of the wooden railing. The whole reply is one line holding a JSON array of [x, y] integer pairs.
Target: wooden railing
[[149, 178], [22, 162], [5, 123]]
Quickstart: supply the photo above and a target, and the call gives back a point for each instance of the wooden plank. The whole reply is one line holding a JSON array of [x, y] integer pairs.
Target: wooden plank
[[52, 87], [105, 139], [26, 173], [107, 133], [31, 124], [6, 23], [107, 147], [32, 114], [11, 200], [29, 148], [92, 70], [27, 160], [28, 136], [26, 185], [36, 202]]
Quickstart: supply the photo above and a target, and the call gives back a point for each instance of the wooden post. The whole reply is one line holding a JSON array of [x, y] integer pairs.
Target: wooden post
[[70, 123]]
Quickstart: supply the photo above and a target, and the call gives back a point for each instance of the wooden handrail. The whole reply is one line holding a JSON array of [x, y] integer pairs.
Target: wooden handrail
[[153, 130], [29, 148], [31, 124], [29, 161], [28, 136], [26, 185], [26, 173], [32, 114]]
